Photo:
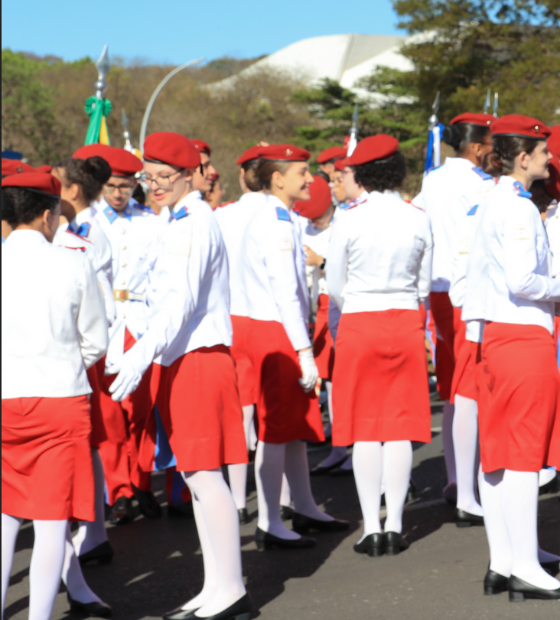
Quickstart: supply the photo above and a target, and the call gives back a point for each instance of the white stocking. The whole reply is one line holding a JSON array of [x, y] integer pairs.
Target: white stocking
[[45, 570], [520, 498], [397, 465], [285, 493], [10, 530], [238, 473], [73, 577], [222, 528], [367, 473], [269, 469], [465, 443], [546, 475], [91, 534], [447, 438], [297, 471]]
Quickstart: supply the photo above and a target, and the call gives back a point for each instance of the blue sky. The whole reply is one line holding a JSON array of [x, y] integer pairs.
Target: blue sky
[[176, 31]]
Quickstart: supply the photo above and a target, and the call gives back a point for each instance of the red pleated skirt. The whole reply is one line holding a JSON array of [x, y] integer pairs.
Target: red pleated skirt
[[380, 380], [519, 398], [47, 472], [246, 377], [285, 412], [464, 375], [199, 406], [323, 349], [442, 313]]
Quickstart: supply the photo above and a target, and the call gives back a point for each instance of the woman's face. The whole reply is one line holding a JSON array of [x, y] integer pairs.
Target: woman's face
[[338, 187], [167, 184], [537, 162], [295, 182]]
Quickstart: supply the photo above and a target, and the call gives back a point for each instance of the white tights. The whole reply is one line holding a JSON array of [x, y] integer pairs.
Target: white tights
[[465, 447], [218, 530], [510, 503], [392, 463], [238, 473], [46, 563], [447, 439], [271, 460], [73, 577]]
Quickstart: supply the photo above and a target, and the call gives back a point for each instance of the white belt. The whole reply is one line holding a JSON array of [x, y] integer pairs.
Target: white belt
[[126, 295]]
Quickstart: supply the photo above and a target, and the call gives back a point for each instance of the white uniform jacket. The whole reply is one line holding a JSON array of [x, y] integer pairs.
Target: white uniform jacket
[[552, 225], [380, 258], [508, 274], [233, 220], [318, 240], [53, 319], [274, 271]]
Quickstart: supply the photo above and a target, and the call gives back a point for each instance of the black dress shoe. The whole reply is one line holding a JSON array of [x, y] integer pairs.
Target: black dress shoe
[[182, 510], [321, 471], [302, 524], [373, 545], [103, 554], [149, 506], [179, 614], [395, 543], [122, 512], [286, 513], [519, 590], [466, 519], [243, 516], [93, 610], [494, 583], [266, 541], [551, 567], [240, 610]]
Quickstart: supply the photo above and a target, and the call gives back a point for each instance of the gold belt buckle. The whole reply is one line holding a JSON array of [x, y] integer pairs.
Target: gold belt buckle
[[121, 295]]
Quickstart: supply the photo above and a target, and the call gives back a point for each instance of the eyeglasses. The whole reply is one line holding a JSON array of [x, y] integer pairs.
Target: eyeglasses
[[125, 190], [163, 182]]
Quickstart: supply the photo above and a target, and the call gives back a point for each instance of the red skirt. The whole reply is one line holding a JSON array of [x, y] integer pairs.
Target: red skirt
[[199, 406], [464, 375], [519, 397], [284, 411], [442, 312], [95, 378], [246, 377], [47, 472], [380, 381], [323, 349]]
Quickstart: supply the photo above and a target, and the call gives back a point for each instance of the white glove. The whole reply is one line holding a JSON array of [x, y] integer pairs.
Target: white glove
[[309, 371], [128, 379]]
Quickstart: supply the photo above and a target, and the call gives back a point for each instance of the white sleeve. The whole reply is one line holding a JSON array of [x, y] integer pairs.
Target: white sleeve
[[425, 273], [520, 259], [337, 273], [91, 325], [105, 278]]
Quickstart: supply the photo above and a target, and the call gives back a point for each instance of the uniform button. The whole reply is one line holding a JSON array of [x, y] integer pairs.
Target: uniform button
[[124, 265], [123, 231], [123, 282], [124, 247]]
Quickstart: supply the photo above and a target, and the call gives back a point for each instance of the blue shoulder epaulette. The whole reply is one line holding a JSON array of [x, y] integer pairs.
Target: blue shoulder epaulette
[[473, 210], [145, 208], [482, 174], [282, 214], [110, 214], [179, 215], [520, 190]]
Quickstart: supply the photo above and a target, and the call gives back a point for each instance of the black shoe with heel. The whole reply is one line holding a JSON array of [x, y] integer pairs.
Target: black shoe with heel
[[149, 506], [91, 610], [466, 519], [179, 614], [519, 590], [395, 543], [302, 524], [494, 583], [286, 513], [102, 554], [240, 610], [373, 545], [267, 541], [122, 511]]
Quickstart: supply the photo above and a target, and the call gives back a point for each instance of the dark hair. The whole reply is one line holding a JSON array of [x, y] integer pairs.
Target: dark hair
[[267, 167], [139, 195], [323, 175], [381, 175], [90, 174], [504, 151], [22, 206], [459, 136], [252, 181], [540, 196]]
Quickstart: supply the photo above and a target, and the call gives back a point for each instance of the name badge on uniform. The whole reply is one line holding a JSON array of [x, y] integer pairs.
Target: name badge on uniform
[[520, 232], [286, 245], [464, 245]]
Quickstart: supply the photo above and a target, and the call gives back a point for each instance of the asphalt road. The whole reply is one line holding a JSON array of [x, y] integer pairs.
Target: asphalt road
[[158, 566]]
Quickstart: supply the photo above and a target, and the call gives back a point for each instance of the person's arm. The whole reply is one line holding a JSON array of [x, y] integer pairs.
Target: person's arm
[[337, 273], [425, 273]]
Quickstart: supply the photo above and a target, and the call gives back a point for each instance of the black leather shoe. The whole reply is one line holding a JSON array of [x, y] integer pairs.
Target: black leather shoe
[[240, 610], [466, 519], [302, 524], [551, 567], [373, 545], [179, 614], [395, 543], [519, 590], [93, 610], [286, 513], [122, 512], [149, 506], [267, 541], [243, 516], [494, 583], [182, 510], [102, 554], [321, 471]]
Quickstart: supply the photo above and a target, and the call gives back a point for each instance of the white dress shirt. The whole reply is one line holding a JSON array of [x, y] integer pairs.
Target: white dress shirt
[[448, 191], [380, 258], [508, 275], [53, 319], [552, 225], [318, 240], [273, 267], [233, 220]]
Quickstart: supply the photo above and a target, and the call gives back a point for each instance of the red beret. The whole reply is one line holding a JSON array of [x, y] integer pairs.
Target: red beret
[[284, 152], [552, 184], [44, 168], [521, 126], [202, 147], [122, 162], [333, 152], [373, 148], [339, 165], [474, 119], [41, 182], [319, 201], [167, 147], [251, 153], [15, 166], [553, 141]]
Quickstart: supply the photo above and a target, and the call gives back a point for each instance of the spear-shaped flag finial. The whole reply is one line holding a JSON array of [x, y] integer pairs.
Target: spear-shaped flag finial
[[433, 120], [97, 107]]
